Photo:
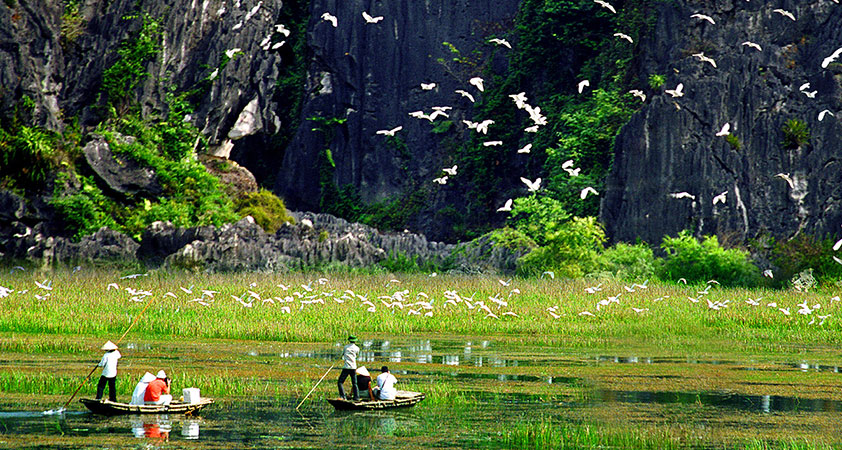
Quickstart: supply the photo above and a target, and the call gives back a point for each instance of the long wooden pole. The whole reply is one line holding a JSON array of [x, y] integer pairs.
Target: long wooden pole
[[314, 387], [117, 343]]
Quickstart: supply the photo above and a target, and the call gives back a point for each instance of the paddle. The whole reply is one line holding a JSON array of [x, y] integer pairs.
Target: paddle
[[94, 368], [317, 385]]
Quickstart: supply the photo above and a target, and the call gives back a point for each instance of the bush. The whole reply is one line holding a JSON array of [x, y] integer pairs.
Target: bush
[[27, 156], [265, 208], [796, 134], [538, 217], [85, 211], [629, 262], [807, 252], [571, 251], [700, 261]]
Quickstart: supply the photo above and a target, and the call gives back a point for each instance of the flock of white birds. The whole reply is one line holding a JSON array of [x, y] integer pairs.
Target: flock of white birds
[[289, 299]]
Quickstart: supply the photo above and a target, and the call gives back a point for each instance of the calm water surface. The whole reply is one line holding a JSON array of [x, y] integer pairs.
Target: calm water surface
[[507, 386]]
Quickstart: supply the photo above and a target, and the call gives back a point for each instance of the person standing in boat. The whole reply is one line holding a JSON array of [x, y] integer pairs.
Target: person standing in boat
[[385, 389], [158, 391], [349, 356], [109, 372], [364, 382]]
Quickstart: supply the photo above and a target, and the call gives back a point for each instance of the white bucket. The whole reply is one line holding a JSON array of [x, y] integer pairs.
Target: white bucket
[[191, 395]]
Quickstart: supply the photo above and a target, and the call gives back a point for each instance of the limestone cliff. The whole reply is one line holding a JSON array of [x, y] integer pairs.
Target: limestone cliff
[[671, 146]]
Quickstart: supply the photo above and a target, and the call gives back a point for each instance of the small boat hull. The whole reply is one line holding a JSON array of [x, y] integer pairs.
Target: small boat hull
[[108, 408], [403, 399]]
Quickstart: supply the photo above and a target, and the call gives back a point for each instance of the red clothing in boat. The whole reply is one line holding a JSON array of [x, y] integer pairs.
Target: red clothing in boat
[[155, 389]]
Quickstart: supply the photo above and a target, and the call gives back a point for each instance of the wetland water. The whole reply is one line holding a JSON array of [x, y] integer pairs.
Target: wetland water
[[485, 389]]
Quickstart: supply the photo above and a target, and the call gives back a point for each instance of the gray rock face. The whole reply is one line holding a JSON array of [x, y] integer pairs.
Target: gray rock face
[[31, 61], [671, 145], [120, 172], [370, 75], [103, 247]]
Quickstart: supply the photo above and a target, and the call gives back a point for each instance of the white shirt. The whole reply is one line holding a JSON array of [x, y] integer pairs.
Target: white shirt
[[109, 364], [349, 355], [386, 382]]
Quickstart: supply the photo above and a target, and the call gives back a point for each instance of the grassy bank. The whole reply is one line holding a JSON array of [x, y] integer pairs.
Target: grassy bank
[[312, 308]]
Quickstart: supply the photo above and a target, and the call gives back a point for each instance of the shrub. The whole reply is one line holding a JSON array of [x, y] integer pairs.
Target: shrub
[[85, 211], [796, 134], [538, 216], [699, 261], [121, 79], [806, 252], [629, 262], [656, 81], [265, 208], [27, 156], [733, 141], [570, 251]]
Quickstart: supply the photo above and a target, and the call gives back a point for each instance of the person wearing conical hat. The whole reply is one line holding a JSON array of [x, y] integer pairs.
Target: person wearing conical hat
[[364, 382], [158, 391], [140, 389], [109, 371], [349, 356]]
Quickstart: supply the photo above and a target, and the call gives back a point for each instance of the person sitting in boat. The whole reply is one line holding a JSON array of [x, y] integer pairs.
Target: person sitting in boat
[[364, 382], [158, 391], [349, 356], [109, 371], [385, 389], [140, 389]]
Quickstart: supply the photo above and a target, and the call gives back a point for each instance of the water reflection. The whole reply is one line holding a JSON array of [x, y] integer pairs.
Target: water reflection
[[752, 403], [160, 427]]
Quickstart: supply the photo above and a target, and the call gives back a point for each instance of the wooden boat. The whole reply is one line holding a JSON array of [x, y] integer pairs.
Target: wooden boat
[[108, 408], [402, 399]]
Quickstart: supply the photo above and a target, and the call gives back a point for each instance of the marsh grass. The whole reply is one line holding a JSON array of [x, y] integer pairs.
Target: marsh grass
[[544, 434], [81, 304]]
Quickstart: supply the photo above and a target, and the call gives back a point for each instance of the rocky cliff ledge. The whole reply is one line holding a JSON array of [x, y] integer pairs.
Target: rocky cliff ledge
[[671, 145]]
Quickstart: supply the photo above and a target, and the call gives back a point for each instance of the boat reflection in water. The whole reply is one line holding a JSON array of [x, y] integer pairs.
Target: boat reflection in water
[[159, 427]]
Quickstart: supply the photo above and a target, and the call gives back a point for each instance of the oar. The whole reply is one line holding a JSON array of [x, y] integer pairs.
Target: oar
[[118, 343], [317, 385]]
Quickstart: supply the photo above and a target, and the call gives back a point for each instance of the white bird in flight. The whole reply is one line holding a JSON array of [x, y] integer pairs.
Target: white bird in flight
[[784, 13], [428, 86], [677, 92], [752, 45], [328, 17], [833, 57], [450, 170], [703, 17], [369, 19], [586, 191], [532, 129], [624, 36], [525, 149], [787, 178], [465, 94], [502, 42], [390, 132], [280, 28], [440, 180], [506, 206], [706, 59], [605, 5], [583, 84], [725, 130], [823, 113], [477, 81], [639, 94], [683, 195], [492, 143], [519, 99], [720, 198], [531, 185]]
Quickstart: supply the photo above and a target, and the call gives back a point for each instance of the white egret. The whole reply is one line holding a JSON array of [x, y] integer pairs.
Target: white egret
[[328, 17], [525, 149], [280, 28], [683, 195], [824, 113], [784, 13], [586, 191], [450, 170], [677, 92], [465, 94], [533, 186], [605, 5], [492, 143], [502, 42], [390, 132], [720, 198], [583, 84], [752, 45], [703, 17], [638, 93], [706, 59], [369, 19], [833, 57], [624, 36], [428, 86], [478, 82], [725, 130], [532, 129], [519, 99], [440, 180], [787, 178]]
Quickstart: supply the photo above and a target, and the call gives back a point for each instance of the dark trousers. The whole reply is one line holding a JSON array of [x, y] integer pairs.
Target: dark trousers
[[112, 388], [354, 390]]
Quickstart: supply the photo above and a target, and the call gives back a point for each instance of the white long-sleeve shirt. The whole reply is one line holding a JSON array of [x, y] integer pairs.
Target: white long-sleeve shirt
[[349, 355], [109, 363]]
